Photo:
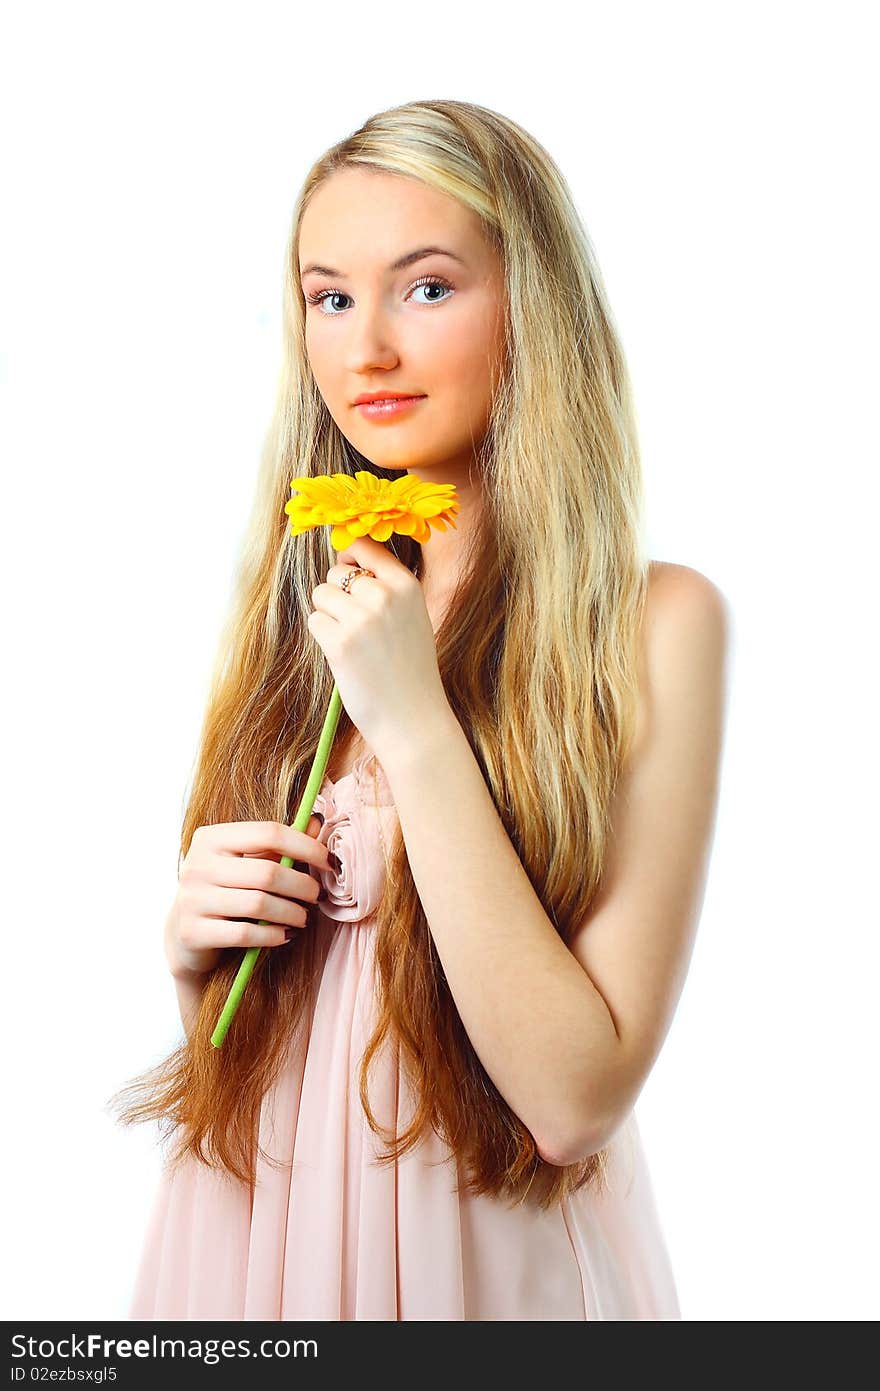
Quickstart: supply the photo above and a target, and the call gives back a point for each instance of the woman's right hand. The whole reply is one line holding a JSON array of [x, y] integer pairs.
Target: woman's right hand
[[232, 878]]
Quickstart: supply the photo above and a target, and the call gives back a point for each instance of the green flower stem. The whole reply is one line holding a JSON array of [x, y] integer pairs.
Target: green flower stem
[[300, 822]]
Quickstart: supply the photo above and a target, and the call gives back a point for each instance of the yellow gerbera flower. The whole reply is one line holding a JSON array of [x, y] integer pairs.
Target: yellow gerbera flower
[[369, 506]]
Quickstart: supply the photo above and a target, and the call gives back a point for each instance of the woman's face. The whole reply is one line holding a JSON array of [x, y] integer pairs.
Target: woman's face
[[378, 328]]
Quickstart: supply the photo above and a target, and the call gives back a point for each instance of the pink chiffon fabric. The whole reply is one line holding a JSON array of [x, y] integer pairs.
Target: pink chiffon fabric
[[328, 1233]]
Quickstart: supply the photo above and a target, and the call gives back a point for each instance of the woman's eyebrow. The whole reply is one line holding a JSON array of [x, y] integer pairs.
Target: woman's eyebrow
[[402, 261]]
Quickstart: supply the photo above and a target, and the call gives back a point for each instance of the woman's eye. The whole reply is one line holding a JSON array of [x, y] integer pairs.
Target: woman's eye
[[323, 295], [429, 283]]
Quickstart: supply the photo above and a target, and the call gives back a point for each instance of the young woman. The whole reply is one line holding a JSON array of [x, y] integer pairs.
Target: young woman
[[423, 1108]]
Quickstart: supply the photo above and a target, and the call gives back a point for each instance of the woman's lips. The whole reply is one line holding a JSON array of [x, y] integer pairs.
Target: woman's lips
[[382, 410]]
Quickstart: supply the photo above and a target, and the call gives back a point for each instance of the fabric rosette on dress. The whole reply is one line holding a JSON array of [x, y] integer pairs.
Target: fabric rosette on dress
[[353, 893]]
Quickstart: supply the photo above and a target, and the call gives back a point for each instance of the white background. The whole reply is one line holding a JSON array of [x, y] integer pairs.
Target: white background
[[721, 156]]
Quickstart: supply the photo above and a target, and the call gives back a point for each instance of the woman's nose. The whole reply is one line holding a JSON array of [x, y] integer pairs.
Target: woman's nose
[[371, 339]]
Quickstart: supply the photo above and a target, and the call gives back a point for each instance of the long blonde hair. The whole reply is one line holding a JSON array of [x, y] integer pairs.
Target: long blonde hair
[[537, 652]]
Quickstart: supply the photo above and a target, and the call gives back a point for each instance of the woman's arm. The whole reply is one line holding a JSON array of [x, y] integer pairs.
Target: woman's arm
[[568, 1034]]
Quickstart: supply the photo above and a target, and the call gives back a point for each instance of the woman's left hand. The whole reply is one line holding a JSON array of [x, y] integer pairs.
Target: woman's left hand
[[379, 643]]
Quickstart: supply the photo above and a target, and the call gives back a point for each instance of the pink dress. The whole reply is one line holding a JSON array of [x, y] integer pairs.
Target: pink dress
[[332, 1235]]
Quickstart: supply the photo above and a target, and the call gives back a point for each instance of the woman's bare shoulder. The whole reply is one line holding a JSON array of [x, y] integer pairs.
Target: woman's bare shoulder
[[670, 584], [686, 620]]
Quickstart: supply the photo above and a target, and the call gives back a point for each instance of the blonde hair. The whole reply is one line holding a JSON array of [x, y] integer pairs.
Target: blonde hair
[[537, 652]]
